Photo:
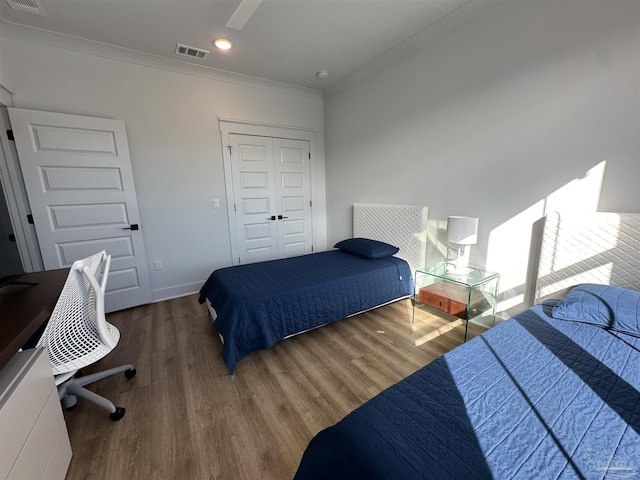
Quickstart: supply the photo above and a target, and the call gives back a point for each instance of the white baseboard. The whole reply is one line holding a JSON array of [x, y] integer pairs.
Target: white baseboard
[[176, 291]]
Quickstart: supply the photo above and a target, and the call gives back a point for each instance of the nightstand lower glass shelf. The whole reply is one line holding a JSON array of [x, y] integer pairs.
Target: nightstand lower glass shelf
[[470, 297]]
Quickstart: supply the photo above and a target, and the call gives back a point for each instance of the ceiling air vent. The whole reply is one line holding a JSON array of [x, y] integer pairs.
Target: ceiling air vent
[[191, 51], [29, 6]]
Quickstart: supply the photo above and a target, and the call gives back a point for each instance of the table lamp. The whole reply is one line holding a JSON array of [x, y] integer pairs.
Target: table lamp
[[462, 231]]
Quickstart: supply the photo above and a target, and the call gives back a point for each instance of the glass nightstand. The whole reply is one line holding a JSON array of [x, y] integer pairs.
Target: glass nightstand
[[470, 296]]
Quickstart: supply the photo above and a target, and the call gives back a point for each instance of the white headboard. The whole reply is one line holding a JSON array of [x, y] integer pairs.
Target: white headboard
[[404, 226], [585, 248]]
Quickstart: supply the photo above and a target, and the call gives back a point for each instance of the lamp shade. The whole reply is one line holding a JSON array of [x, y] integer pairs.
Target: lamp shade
[[462, 230]]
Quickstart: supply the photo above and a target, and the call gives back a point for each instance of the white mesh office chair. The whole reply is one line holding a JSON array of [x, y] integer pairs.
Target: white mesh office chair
[[78, 334]]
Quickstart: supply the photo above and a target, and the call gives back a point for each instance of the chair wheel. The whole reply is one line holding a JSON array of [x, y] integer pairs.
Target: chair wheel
[[117, 415], [130, 373], [69, 402]]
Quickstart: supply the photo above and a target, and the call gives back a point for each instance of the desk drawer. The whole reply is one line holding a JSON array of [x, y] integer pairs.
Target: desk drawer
[[35, 455], [20, 411], [32, 424]]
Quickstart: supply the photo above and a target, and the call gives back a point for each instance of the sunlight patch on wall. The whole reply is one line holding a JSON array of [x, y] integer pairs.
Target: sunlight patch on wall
[[579, 195], [509, 243], [508, 253]]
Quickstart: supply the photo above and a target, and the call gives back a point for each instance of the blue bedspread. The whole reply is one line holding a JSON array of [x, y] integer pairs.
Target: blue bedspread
[[532, 398], [261, 303]]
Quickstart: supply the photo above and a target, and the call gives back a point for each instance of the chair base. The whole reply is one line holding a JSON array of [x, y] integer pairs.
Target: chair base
[[70, 390]]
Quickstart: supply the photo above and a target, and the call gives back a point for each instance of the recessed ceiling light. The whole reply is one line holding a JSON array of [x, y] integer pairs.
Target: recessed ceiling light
[[223, 43], [322, 74]]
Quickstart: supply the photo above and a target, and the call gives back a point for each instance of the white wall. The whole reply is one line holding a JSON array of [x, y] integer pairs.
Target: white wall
[[171, 113], [532, 107]]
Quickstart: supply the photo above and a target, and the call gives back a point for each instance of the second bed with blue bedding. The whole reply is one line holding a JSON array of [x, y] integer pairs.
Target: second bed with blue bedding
[[552, 393], [259, 304]]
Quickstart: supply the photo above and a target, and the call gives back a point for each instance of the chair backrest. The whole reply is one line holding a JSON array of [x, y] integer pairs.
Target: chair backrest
[[77, 333]]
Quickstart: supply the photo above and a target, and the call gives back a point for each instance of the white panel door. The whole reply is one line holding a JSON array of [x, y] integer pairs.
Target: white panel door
[[254, 194], [272, 197], [293, 194], [79, 182]]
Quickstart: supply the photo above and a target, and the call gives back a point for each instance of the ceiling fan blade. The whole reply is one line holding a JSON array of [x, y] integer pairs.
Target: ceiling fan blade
[[242, 14]]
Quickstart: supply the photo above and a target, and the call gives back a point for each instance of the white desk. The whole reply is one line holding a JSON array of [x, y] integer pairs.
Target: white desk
[[34, 442]]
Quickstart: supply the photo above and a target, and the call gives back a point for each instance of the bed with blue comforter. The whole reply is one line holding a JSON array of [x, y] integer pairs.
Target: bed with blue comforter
[[553, 392], [259, 304]]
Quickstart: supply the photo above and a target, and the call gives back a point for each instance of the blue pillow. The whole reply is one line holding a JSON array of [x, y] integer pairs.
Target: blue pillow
[[613, 308], [367, 248]]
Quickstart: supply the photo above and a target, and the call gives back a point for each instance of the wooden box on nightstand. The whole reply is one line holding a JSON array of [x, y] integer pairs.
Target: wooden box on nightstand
[[452, 298]]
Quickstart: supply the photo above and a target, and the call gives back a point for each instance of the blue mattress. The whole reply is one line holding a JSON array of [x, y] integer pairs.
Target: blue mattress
[[261, 303], [534, 397]]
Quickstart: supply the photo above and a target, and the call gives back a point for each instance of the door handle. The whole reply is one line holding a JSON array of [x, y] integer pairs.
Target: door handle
[[272, 217], [280, 217], [133, 226]]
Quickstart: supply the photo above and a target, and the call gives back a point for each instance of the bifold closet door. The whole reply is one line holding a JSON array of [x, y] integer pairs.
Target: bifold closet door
[[272, 197]]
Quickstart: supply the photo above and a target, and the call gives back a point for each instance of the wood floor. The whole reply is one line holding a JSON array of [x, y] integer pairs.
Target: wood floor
[[187, 418]]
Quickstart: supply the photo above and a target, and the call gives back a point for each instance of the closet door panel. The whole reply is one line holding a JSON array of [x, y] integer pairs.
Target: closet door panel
[[293, 194], [254, 194]]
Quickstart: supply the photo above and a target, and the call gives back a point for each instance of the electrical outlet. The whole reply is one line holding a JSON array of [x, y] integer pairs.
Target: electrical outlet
[[216, 203], [157, 264]]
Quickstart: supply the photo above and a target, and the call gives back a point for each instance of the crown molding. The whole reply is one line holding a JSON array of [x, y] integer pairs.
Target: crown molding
[[90, 47]]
